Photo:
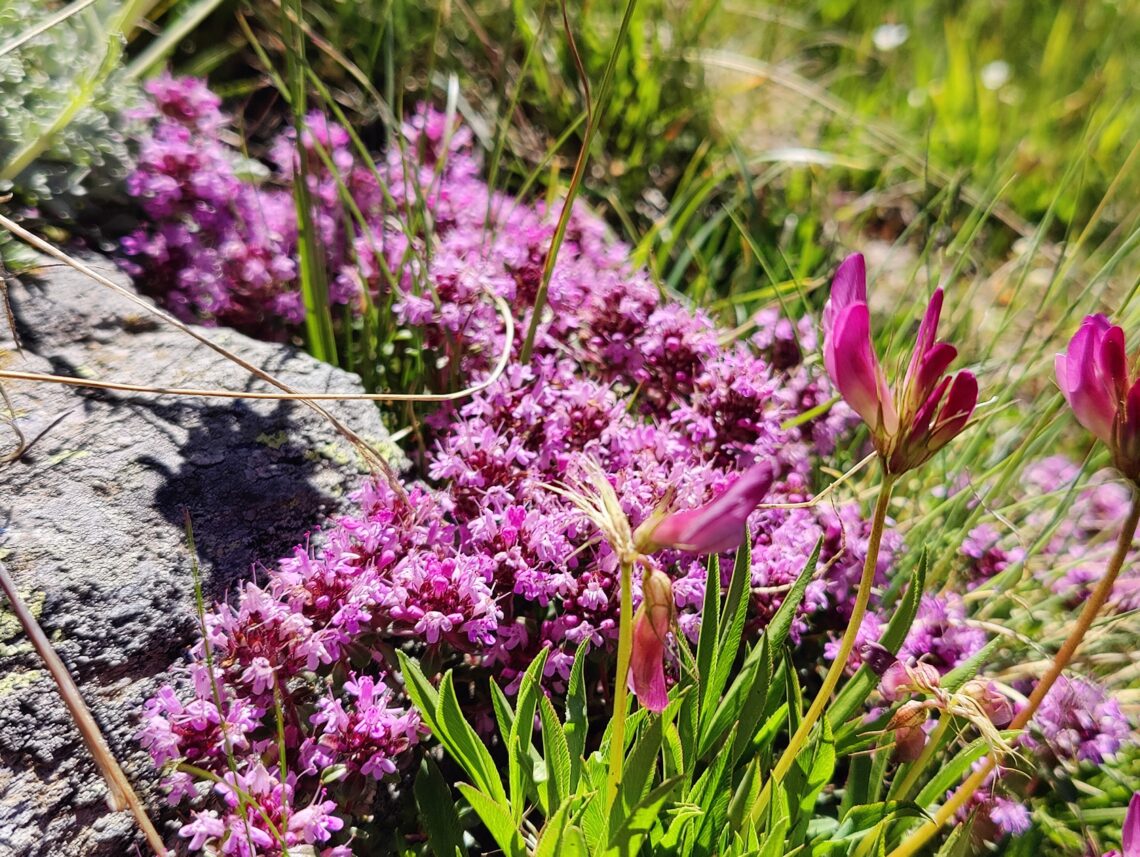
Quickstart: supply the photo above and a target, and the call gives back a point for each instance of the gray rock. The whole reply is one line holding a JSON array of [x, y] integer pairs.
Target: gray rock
[[91, 528]]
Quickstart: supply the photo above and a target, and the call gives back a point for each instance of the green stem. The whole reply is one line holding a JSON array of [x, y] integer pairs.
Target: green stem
[[596, 112], [1064, 655], [862, 597], [621, 684], [902, 789]]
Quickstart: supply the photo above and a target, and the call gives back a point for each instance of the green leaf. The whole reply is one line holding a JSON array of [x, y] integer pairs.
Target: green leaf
[[862, 819], [627, 839], [556, 752], [793, 693], [958, 843], [772, 844], [712, 793], [745, 795], [950, 773], [755, 703], [864, 681], [958, 676], [550, 839], [637, 772], [710, 629], [781, 624], [575, 728], [504, 712], [731, 628], [419, 690], [497, 819], [858, 789], [464, 744], [437, 811], [818, 772], [520, 765]]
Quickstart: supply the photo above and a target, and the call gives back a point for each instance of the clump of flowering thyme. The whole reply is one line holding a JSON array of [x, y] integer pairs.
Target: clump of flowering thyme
[[482, 564]]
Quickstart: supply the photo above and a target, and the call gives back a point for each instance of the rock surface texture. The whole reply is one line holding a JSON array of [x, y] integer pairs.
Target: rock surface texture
[[91, 528]]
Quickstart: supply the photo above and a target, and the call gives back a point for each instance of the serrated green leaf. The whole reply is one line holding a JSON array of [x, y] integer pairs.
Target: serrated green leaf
[[550, 839], [419, 690], [496, 817], [958, 843], [627, 839], [464, 744], [793, 693], [866, 817], [772, 843], [731, 626], [520, 764], [575, 723], [747, 790], [712, 793], [781, 623], [556, 753], [707, 639], [819, 767], [750, 686], [504, 711], [949, 773], [637, 773], [437, 811]]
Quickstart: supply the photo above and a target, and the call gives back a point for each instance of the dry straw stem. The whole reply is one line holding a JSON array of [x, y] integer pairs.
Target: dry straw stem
[[122, 795], [288, 393], [913, 843]]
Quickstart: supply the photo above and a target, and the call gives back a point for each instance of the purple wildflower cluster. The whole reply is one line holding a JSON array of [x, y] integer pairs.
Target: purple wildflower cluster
[[1082, 542], [486, 562], [1078, 721]]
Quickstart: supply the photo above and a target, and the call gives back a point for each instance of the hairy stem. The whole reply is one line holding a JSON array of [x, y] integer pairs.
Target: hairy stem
[[1061, 660], [621, 683], [835, 672]]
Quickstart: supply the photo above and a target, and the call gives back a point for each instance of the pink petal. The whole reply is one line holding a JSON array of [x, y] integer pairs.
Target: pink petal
[[960, 402], [1130, 832], [647, 664], [927, 332], [717, 526], [852, 364], [925, 415], [932, 366], [848, 287], [1114, 361], [1084, 386], [1132, 409]]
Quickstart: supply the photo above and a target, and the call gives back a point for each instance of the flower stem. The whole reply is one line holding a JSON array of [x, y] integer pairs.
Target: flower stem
[[835, 672], [621, 684], [1061, 660]]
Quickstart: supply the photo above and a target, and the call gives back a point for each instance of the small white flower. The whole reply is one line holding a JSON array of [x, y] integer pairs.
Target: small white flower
[[887, 37]]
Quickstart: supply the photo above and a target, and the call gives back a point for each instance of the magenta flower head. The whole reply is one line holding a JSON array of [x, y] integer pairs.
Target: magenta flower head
[[652, 622], [913, 422], [715, 527], [1093, 376]]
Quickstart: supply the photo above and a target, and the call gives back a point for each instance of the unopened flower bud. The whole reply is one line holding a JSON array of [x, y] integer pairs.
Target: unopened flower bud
[[910, 739], [651, 624], [878, 658], [900, 681], [996, 707]]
